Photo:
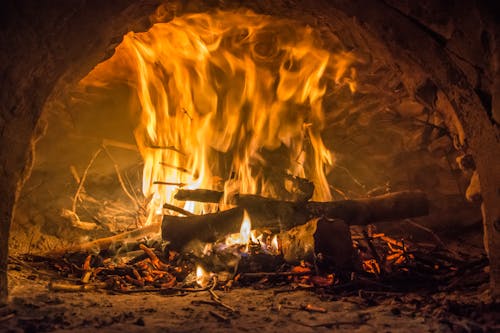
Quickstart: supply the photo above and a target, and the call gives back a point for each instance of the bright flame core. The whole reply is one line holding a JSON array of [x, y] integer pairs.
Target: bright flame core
[[245, 234], [226, 99], [201, 276]]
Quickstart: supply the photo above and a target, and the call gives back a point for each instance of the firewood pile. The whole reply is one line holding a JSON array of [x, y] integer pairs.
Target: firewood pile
[[379, 264], [329, 247], [333, 247]]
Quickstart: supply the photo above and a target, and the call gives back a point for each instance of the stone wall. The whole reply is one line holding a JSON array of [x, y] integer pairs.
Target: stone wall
[[42, 43]]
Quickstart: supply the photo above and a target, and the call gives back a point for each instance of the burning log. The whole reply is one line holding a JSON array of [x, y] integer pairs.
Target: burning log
[[284, 215], [327, 240], [199, 195], [303, 191]]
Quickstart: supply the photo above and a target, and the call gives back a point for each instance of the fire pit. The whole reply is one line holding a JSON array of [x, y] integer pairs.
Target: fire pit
[[284, 148]]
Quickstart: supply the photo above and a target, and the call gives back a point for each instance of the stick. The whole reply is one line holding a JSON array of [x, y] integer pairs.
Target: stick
[[65, 287], [105, 243], [272, 274], [175, 167], [159, 182], [219, 316], [284, 215], [199, 195], [84, 176], [119, 176], [374, 252], [7, 317], [178, 209], [119, 144], [172, 148]]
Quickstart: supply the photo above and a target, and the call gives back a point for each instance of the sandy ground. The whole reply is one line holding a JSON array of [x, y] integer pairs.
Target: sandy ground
[[36, 309]]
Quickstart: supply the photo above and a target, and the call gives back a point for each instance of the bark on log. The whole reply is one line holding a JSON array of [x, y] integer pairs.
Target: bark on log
[[105, 243], [199, 195], [330, 238], [303, 191], [283, 215]]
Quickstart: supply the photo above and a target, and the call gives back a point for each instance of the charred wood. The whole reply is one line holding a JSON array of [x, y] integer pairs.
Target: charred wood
[[324, 241], [284, 215], [199, 195]]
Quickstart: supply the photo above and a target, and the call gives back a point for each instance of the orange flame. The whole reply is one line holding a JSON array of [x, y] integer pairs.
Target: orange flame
[[202, 277], [245, 234], [224, 96], [274, 244]]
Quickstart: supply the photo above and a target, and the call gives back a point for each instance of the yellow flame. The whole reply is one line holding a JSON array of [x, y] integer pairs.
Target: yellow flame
[[227, 95], [245, 234], [201, 276], [245, 230], [274, 244]]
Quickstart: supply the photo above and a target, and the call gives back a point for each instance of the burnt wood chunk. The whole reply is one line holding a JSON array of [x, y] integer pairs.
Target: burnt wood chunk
[[325, 241], [284, 215], [199, 195]]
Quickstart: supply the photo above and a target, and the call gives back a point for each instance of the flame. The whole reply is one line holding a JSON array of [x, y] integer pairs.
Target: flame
[[201, 277], [245, 234], [274, 244], [227, 96]]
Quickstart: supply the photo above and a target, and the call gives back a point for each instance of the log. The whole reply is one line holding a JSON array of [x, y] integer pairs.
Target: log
[[105, 243], [303, 191], [199, 195], [325, 241], [284, 215]]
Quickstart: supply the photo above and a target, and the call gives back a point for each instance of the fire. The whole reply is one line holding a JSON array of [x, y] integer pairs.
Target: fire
[[245, 235], [226, 99], [201, 277], [274, 244]]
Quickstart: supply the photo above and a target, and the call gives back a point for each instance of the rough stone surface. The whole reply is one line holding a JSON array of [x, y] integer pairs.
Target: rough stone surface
[[256, 310], [43, 42]]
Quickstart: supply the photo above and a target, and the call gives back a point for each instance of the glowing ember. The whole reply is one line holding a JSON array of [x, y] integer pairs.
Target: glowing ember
[[223, 94]]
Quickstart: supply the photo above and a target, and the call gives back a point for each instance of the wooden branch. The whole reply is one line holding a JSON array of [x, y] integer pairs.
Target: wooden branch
[[83, 178], [159, 182], [283, 215], [304, 191], [199, 195], [177, 209], [168, 165], [105, 243]]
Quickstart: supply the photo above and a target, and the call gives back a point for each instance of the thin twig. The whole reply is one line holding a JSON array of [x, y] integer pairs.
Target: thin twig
[[374, 251], [433, 234], [329, 324], [216, 298], [159, 182], [84, 177], [270, 274], [219, 316], [119, 176], [172, 148], [175, 167], [119, 144], [7, 317], [178, 209], [161, 290]]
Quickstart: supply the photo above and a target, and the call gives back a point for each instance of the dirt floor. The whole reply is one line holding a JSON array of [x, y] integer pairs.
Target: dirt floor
[[34, 308]]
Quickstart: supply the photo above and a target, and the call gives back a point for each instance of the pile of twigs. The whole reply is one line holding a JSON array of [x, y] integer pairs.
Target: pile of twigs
[[382, 264]]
